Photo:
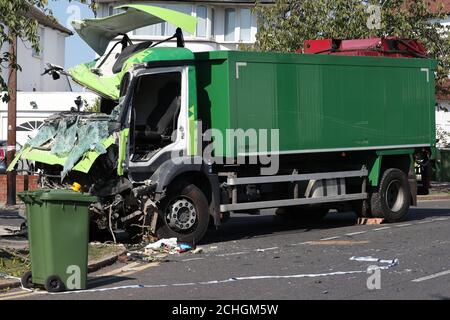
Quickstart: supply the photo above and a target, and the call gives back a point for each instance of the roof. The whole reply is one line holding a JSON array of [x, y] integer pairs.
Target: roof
[[46, 20], [434, 6]]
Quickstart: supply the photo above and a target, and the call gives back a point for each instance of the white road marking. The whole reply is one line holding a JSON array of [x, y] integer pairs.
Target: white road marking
[[404, 225], [440, 219], [301, 243], [355, 233], [432, 276], [330, 238], [231, 254], [192, 259], [383, 228], [426, 221], [266, 249]]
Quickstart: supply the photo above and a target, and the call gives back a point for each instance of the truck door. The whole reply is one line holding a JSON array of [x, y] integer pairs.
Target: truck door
[[158, 120]]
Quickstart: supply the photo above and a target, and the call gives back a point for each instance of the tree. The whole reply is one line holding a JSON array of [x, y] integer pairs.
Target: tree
[[15, 23], [286, 24]]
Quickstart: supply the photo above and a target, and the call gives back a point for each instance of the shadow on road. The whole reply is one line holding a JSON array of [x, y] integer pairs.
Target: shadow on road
[[242, 226], [106, 280]]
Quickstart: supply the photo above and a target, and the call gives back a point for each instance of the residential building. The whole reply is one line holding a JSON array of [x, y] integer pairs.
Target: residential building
[[222, 25], [52, 37]]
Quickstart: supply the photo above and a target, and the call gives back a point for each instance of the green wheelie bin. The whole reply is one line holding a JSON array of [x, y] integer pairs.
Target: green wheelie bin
[[58, 234]]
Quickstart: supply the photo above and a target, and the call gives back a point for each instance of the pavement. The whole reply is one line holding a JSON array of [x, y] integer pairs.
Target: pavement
[[265, 257]]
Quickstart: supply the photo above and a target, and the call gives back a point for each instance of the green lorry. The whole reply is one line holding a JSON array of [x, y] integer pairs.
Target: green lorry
[[186, 139]]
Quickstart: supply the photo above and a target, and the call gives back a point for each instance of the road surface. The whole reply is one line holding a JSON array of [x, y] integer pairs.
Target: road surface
[[263, 257]]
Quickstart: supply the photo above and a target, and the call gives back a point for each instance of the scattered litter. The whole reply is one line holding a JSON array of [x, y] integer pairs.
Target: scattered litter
[[123, 258], [390, 263], [163, 243], [139, 256], [370, 221], [7, 276], [157, 251], [184, 247], [197, 250]]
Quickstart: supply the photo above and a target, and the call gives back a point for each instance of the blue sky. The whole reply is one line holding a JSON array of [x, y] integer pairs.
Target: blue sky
[[76, 50]]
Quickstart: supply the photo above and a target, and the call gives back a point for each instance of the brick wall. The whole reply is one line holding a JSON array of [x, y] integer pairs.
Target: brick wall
[[21, 185]]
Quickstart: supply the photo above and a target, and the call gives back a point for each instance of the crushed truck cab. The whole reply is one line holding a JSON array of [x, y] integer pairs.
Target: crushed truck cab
[[185, 139]]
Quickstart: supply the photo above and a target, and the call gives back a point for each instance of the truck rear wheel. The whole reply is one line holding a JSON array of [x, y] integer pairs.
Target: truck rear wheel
[[362, 208], [392, 199], [184, 214]]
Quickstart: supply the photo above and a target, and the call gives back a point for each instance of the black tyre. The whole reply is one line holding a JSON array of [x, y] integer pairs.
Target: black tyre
[[392, 199], [54, 284], [362, 208], [184, 214], [27, 280]]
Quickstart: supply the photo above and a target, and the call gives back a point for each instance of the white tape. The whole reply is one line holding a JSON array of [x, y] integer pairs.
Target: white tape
[[391, 263]]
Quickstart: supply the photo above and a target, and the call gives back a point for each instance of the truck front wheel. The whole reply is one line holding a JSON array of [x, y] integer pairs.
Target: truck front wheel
[[183, 214], [392, 199]]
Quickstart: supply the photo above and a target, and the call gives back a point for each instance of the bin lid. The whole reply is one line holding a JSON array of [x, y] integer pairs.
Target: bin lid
[[66, 195], [30, 197]]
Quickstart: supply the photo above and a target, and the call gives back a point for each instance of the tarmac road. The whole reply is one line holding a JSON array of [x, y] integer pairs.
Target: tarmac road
[[255, 246]]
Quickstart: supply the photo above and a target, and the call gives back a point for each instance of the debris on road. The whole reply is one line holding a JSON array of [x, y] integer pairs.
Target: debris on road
[[157, 251], [389, 262], [197, 250], [369, 221], [163, 243]]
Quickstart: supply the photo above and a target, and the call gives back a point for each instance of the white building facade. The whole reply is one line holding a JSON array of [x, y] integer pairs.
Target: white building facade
[[38, 96], [222, 25], [34, 107], [52, 37]]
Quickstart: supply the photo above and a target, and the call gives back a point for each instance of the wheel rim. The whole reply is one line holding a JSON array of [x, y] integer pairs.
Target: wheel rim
[[54, 283], [395, 196], [181, 215]]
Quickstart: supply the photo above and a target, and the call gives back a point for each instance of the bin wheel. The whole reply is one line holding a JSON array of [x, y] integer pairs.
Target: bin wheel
[[27, 280], [54, 284]]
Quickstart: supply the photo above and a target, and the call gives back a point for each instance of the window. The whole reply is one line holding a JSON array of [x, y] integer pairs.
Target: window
[[230, 24], [246, 25], [184, 8], [164, 29], [156, 108], [213, 32], [201, 21], [40, 38]]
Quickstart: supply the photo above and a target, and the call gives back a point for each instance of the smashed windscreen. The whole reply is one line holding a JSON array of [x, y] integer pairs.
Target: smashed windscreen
[[71, 135]]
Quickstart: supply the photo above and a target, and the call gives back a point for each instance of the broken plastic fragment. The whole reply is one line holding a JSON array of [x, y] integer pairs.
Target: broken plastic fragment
[[47, 132]]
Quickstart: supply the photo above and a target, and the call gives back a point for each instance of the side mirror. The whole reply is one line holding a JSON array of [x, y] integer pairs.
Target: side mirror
[[56, 75]]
